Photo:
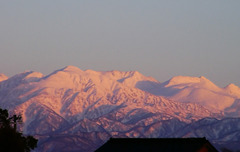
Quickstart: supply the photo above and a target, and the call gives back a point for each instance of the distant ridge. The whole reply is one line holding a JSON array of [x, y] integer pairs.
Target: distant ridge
[[88, 107]]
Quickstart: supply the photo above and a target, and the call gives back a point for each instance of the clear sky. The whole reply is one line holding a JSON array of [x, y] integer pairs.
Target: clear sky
[[159, 38]]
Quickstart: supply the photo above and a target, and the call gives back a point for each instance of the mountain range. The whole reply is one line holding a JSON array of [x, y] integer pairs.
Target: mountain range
[[75, 110]]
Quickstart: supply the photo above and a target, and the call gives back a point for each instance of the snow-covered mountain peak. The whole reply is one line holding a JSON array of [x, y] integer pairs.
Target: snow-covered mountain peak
[[25, 77], [198, 90], [68, 77], [132, 78], [179, 80], [233, 90], [139, 76], [207, 84], [231, 86], [71, 69], [3, 77], [33, 76]]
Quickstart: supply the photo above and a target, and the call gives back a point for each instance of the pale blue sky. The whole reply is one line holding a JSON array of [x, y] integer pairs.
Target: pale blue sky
[[158, 38]]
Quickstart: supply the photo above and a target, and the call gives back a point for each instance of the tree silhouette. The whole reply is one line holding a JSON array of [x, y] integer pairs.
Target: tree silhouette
[[10, 139]]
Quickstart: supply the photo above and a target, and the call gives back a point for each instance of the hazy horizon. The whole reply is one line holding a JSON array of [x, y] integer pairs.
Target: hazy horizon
[[161, 39]]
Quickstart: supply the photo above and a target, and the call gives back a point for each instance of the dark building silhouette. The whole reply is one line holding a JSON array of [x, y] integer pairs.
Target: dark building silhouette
[[157, 145]]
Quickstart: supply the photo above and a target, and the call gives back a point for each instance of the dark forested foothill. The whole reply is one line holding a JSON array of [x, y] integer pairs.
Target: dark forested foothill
[[12, 140]]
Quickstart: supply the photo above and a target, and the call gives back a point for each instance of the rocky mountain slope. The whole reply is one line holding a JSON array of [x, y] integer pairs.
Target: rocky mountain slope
[[72, 110]]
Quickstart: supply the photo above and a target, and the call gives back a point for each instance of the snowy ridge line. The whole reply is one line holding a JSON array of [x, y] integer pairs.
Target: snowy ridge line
[[88, 107]]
